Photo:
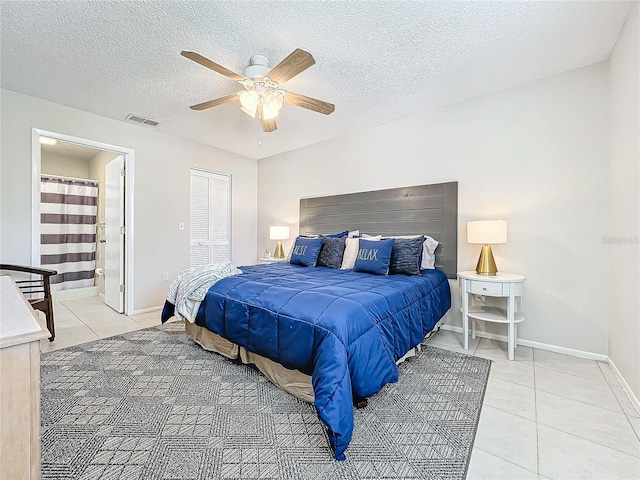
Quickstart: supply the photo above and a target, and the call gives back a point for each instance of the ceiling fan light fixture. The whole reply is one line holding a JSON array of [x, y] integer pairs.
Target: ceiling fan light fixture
[[249, 99], [271, 105], [263, 98], [268, 114], [274, 101], [250, 112], [258, 67]]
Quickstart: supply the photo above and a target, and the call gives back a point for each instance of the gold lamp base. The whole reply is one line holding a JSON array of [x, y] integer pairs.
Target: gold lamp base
[[486, 263], [279, 253]]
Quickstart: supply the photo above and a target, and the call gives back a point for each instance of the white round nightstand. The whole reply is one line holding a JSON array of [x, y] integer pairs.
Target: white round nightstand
[[504, 285], [268, 260]]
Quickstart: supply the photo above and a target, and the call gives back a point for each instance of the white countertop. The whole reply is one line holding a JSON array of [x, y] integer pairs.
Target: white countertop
[[18, 321]]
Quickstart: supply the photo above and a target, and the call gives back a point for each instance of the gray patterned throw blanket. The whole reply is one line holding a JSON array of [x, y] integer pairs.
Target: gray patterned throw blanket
[[190, 287]]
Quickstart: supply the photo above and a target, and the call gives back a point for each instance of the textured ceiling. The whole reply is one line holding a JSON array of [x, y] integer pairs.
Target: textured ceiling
[[377, 61]]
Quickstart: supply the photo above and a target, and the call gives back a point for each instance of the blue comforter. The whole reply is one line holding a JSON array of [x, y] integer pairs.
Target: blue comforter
[[346, 329]]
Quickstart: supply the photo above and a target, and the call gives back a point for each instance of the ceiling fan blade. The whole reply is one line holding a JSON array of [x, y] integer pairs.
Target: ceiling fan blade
[[298, 61], [268, 125], [309, 103], [218, 101], [196, 57]]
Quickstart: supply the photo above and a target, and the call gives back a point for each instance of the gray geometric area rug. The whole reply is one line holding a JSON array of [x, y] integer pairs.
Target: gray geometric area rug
[[152, 404]]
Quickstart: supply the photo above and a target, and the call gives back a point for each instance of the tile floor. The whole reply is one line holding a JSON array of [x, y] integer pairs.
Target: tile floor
[[81, 320], [550, 416], [545, 415]]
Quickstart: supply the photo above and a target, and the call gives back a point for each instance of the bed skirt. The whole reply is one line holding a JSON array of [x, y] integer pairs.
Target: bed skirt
[[293, 382]]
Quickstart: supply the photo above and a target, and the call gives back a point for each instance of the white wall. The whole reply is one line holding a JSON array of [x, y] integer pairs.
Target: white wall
[[67, 167], [536, 155], [624, 213], [161, 188]]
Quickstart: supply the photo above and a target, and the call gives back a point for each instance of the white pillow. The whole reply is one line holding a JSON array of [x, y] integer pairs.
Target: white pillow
[[405, 236], [353, 233], [371, 237], [428, 253], [350, 253]]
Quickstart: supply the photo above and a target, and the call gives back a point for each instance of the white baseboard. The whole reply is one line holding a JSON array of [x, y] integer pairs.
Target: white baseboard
[[146, 310], [564, 350], [530, 343], [625, 385]]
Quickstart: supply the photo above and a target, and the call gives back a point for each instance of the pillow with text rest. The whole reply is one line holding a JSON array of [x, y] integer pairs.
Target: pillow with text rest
[[305, 251], [301, 236], [331, 252], [406, 256], [374, 256]]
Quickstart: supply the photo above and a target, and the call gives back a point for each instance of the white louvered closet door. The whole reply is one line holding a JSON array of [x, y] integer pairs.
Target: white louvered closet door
[[210, 218]]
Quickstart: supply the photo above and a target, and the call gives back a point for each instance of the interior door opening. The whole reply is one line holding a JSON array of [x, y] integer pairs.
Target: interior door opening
[[114, 234], [94, 236]]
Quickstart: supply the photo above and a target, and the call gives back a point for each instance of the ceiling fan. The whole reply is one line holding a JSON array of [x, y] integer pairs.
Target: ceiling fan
[[262, 95]]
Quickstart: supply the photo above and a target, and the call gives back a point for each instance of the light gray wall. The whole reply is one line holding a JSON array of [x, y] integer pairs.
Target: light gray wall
[[67, 167], [624, 213], [536, 155], [161, 191]]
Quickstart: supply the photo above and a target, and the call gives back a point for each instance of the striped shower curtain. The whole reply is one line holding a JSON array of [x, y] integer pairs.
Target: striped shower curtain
[[68, 213]]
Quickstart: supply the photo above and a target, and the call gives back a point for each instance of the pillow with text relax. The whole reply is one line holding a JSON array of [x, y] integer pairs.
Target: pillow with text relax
[[374, 256]]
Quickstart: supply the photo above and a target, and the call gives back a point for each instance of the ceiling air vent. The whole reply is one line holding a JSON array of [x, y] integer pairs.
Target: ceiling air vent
[[138, 119]]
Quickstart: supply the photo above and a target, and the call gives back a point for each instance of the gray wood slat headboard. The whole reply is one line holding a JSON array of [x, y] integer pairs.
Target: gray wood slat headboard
[[426, 209]]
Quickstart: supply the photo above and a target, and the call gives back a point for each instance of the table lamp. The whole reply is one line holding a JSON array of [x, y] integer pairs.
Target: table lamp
[[486, 232], [279, 234]]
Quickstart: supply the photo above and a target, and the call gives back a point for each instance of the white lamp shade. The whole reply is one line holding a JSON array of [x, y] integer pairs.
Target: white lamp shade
[[250, 112], [271, 106], [249, 99], [487, 231], [279, 233]]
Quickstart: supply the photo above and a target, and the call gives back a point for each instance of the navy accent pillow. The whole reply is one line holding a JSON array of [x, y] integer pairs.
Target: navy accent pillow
[[374, 256], [332, 251], [337, 235], [406, 256], [305, 251]]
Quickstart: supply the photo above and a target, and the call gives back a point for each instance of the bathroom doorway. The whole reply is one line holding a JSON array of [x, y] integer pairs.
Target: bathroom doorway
[[82, 218]]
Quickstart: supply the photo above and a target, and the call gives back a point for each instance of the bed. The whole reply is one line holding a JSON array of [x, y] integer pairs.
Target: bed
[[337, 331]]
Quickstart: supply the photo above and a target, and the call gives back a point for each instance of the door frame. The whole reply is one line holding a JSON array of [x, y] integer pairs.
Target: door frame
[[36, 170]]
